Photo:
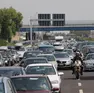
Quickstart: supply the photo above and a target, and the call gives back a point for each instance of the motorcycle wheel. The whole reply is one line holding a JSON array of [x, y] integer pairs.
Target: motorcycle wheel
[[77, 75]]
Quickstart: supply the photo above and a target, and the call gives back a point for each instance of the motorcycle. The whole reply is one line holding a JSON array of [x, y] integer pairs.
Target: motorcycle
[[77, 69]]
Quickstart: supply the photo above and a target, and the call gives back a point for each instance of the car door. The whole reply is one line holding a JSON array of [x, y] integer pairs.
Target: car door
[[10, 87]]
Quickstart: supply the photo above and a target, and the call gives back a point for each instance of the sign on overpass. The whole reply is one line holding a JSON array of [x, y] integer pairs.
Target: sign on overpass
[[58, 28]]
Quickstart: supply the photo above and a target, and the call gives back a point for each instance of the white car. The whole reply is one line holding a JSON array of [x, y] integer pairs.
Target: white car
[[46, 69], [21, 52], [51, 59], [58, 46]]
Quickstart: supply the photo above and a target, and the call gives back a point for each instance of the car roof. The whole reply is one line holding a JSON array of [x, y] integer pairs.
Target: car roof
[[45, 54], [68, 49], [10, 67], [36, 58], [33, 75], [2, 78], [90, 53], [46, 45], [60, 52], [44, 64]]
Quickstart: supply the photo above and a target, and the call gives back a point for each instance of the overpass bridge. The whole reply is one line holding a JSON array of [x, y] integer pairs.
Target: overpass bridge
[[67, 27], [76, 25]]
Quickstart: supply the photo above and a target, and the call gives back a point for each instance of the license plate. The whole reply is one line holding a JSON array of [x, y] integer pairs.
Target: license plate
[[62, 64]]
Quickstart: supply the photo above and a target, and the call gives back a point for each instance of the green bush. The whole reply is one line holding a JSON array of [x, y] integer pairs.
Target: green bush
[[3, 42]]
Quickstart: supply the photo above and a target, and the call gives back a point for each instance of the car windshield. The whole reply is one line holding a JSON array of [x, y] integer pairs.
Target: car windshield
[[49, 57], [36, 52], [28, 55], [46, 49], [91, 56], [35, 61], [61, 55], [13, 52], [47, 70], [91, 50], [57, 44], [31, 83], [68, 51], [22, 49], [11, 72], [58, 50], [2, 88]]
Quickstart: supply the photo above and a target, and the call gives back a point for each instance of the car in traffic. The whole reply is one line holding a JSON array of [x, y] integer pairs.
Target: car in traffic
[[15, 55], [34, 60], [46, 48], [58, 46], [20, 50], [7, 56], [70, 52], [11, 71], [63, 60], [49, 70], [28, 55], [6, 85], [36, 52], [32, 84], [2, 61], [50, 58], [88, 49], [89, 62]]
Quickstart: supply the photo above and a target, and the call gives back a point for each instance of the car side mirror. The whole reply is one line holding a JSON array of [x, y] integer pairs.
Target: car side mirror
[[60, 73]]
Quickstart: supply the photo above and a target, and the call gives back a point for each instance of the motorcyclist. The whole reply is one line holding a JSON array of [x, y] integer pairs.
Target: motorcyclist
[[80, 53], [77, 57]]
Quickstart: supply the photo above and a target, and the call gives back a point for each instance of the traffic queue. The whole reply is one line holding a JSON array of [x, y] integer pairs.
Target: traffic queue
[[37, 69]]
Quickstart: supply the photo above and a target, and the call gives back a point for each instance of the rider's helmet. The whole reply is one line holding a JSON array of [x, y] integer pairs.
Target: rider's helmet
[[77, 53]]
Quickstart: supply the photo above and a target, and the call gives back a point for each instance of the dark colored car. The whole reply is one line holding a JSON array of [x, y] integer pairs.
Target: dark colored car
[[28, 55], [32, 84], [11, 71], [36, 52], [33, 60]]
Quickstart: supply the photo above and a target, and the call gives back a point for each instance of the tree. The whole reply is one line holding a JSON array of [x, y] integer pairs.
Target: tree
[[10, 22]]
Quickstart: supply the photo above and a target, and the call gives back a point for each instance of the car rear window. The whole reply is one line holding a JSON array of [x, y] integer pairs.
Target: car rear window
[[47, 70]]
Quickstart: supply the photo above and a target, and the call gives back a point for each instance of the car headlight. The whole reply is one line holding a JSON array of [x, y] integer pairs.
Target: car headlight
[[54, 82], [6, 61], [69, 62], [0, 63], [88, 64]]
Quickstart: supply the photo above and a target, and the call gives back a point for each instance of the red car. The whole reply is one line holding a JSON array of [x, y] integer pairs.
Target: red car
[[32, 84]]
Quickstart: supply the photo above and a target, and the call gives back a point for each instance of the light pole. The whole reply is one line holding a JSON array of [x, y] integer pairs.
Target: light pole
[[31, 32]]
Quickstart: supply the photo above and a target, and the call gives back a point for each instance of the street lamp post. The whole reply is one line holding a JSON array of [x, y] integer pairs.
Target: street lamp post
[[31, 32]]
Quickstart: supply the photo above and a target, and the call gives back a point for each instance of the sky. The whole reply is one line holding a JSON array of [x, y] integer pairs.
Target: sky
[[73, 9]]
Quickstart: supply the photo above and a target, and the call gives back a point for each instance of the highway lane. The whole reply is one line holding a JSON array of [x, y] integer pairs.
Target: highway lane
[[71, 85]]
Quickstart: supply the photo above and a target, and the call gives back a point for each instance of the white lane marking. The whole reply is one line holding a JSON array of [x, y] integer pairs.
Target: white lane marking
[[81, 91], [79, 84]]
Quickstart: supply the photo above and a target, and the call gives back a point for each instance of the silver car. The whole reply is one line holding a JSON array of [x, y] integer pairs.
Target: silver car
[[63, 59], [6, 85], [89, 62], [70, 52]]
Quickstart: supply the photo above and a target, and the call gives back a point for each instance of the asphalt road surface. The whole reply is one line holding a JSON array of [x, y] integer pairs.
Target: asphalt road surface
[[71, 85]]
